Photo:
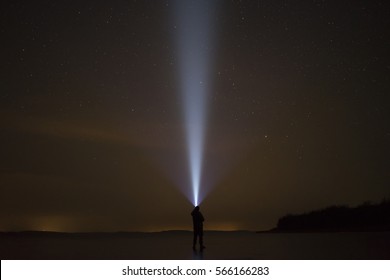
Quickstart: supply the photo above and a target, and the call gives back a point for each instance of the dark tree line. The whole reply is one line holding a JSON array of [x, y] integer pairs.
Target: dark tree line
[[365, 217]]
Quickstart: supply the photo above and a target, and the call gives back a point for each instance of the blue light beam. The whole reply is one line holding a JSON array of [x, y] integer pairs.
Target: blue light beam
[[194, 34]]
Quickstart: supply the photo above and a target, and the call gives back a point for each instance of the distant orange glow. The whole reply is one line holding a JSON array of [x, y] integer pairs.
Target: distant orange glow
[[52, 223], [223, 226]]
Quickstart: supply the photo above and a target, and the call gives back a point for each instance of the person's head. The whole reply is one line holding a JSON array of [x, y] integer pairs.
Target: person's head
[[197, 208]]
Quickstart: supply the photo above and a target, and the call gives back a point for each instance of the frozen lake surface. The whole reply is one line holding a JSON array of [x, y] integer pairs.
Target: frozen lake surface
[[178, 245]]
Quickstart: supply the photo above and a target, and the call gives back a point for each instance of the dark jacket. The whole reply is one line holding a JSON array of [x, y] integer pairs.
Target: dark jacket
[[197, 219]]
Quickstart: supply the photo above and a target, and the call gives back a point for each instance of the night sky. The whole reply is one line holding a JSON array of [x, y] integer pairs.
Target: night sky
[[91, 125]]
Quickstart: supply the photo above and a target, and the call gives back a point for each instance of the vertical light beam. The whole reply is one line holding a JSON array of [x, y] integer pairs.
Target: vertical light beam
[[194, 35]]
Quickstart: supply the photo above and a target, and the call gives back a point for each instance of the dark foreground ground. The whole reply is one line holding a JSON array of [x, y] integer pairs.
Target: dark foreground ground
[[177, 245]]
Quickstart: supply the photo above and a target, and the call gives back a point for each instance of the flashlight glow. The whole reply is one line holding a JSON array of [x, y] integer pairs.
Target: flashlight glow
[[194, 39]]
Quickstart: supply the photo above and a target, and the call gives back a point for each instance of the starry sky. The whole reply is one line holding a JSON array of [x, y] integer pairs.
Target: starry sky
[[92, 134]]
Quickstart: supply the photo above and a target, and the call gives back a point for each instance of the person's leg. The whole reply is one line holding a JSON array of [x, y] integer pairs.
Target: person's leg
[[201, 239], [194, 240]]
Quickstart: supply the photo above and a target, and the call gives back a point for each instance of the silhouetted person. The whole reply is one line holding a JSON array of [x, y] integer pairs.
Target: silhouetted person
[[197, 219]]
